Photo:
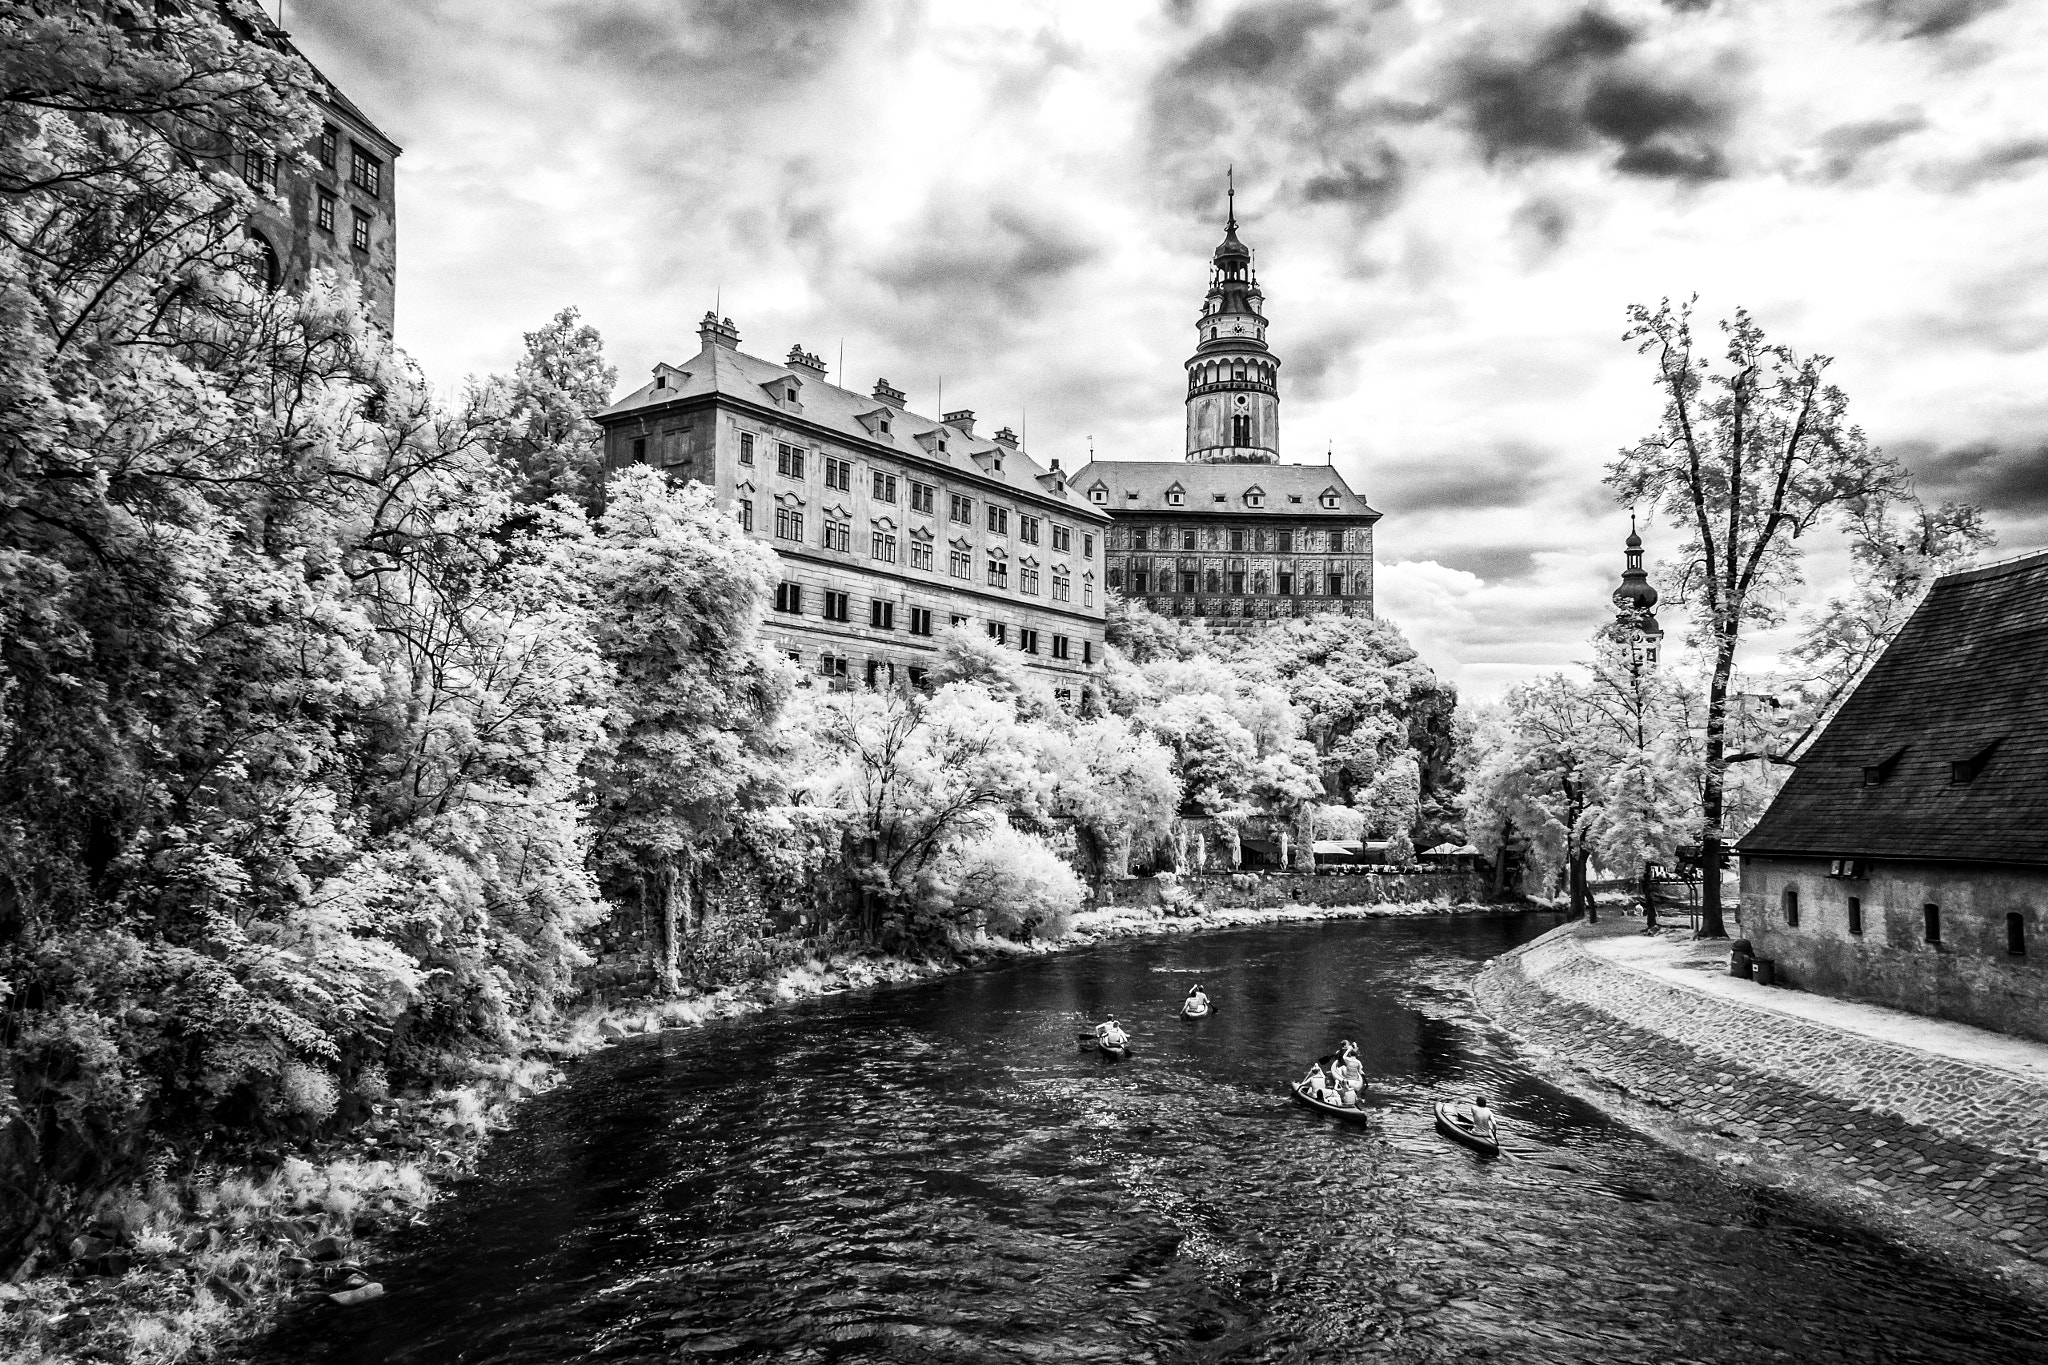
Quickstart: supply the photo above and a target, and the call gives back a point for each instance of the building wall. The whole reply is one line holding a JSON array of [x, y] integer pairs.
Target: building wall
[[293, 229], [705, 443], [1260, 563], [1969, 976]]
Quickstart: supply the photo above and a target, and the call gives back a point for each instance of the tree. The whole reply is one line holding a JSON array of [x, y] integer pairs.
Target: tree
[[1647, 790], [1537, 765], [551, 440], [1747, 458], [677, 592]]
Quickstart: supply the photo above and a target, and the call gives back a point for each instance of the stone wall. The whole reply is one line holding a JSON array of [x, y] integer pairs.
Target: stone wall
[[1938, 1141], [1969, 976], [1251, 891]]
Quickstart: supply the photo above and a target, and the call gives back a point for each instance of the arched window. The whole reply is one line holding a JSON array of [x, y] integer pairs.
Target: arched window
[[1241, 429]]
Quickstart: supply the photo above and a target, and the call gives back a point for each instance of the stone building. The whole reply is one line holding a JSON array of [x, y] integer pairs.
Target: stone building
[[1906, 859], [1231, 535], [891, 527], [342, 215]]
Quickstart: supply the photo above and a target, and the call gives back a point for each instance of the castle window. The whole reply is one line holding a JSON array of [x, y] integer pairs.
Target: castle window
[[999, 520], [323, 212], [1287, 542], [1174, 497], [1855, 914], [1930, 915], [838, 534], [1027, 579], [789, 524], [1098, 495], [1790, 900], [1237, 542], [1139, 537], [1060, 647], [365, 172], [789, 460], [881, 615], [1237, 585], [920, 620], [921, 555], [789, 597], [884, 487], [1238, 375], [1287, 585], [959, 563], [1241, 429], [1062, 586], [1027, 529], [1187, 580], [998, 574], [1215, 581], [1255, 499], [1336, 542], [2016, 934], [921, 497], [838, 474], [359, 234], [746, 447], [999, 632], [1139, 580], [1027, 640], [1088, 547], [836, 607], [882, 546], [1087, 651], [330, 144], [1330, 501], [1187, 540], [1062, 539], [746, 514], [960, 509], [1336, 585], [639, 450], [1087, 589]]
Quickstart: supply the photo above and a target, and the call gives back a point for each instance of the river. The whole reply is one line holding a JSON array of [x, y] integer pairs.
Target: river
[[938, 1173]]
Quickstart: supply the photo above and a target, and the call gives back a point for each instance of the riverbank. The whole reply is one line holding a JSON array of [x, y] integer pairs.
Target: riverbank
[[1927, 1130], [184, 1268]]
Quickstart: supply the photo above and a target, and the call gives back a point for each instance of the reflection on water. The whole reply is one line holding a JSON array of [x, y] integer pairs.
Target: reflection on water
[[937, 1173]]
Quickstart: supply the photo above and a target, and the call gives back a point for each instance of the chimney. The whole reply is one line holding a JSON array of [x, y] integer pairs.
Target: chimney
[[800, 359], [713, 332], [961, 421], [884, 393], [1006, 437], [1055, 464]]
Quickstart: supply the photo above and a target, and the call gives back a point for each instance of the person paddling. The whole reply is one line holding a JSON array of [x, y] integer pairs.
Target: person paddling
[[1197, 1002], [1110, 1035], [1351, 1079], [1317, 1083], [1482, 1120]]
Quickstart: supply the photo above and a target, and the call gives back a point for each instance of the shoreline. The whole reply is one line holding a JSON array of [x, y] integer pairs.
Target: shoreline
[[1680, 1077], [180, 1283]]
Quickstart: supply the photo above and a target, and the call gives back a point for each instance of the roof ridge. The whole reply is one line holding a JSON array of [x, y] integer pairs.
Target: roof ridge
[[2030, 559]]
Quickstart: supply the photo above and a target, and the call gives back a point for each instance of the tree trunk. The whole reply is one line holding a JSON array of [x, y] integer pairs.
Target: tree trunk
[[1582, 891], [659, 892], [1649, 903], [1711, 925]]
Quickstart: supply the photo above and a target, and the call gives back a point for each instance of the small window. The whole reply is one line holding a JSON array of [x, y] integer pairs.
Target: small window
[[1931, 915], [1088, 547], [1027, 640], [359, 235], [1791, 903], [789, 524], [1187, 540], [838, 534], [1187, 580], [1255, 500], [884, 487], [1027, 529], [1855, 914], [957, 619], [1139, 581], [746, 514], [2016, 934], [921, 555], [1060, 648], [959, 563], [1237, 585], [998, 574], [1878, 773], [330, 144], [882, 546], [1098, 495], [1287, 585], [999, 632], [882, 615], [1027, 579], [1237, 542], [999, 520], [961, 510], [1287, 542], [1175, 498], [323, 213], [1140, 538], [838, 474], [1218, 497], [1087, 651], [789, 460], [639, 450], [921, 496], [836, 604], [746, 447], [789, 597], [920, 620], [1336, 585]]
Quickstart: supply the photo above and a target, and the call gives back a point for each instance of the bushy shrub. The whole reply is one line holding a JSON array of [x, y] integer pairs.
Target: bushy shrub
[[1013, 883]]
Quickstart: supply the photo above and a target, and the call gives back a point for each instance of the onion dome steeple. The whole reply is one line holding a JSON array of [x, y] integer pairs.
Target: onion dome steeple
[[1233, 377], [1635, 601]]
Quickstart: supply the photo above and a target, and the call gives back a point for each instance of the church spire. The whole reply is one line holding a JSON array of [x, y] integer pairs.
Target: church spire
[[1635, 601]]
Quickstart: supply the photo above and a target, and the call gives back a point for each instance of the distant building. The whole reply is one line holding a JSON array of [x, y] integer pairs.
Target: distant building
[[343, 215], [1230, 535], [1906, 859], [891, 527], [1635, 603]]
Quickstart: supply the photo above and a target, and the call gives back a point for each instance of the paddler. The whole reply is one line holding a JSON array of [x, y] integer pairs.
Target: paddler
[[1482, 1120], [1110, 1034], [1351, 1074], [1198, 1002]]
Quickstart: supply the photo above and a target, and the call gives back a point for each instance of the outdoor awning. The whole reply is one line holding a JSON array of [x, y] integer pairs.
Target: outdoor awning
[[1338, 848]]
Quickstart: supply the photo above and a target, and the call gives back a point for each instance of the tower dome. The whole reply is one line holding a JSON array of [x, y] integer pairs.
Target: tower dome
[[1635, 601]]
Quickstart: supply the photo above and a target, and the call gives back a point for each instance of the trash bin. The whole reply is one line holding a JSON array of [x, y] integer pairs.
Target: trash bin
[[1742, 965], [1766, 971]]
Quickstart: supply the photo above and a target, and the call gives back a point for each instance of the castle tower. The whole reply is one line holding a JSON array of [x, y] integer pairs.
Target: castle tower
[[1635, 603], [1233, 379]]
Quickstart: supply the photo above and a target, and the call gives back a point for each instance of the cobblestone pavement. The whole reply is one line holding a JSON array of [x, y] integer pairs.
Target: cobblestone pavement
[[1938, 1140]]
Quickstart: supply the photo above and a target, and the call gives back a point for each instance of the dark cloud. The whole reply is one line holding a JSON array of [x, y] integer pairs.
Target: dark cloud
[[1371, 181], [2009, 479], [1844, 146], [2001, 161], [726, 39], [983, 259], [1257, 43], [1506, 474], [1494, 563], [1926, 18], [1582, 85]]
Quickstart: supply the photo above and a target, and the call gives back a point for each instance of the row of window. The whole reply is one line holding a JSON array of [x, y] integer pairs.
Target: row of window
[[1177, 497], [835, 671], [1930, 921], [882, 547], [259, 168], [1215, 581], [837, 606], [791, 462], [1334, 541]]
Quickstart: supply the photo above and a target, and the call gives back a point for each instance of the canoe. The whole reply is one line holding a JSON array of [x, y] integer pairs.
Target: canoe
[[1202, 1013], [1458, 1128], [1335, 1111], [1089, 1043]]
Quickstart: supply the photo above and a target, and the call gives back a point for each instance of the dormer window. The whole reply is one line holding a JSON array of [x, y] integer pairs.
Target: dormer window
[[1963, 771], [1175, 497], [1878, 773], [884, 424], [791, 393], [1218, 497], [1329, 499], [1098, 494], [1254, 497]]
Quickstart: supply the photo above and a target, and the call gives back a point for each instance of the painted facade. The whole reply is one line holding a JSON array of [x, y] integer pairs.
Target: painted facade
[[891, 527]]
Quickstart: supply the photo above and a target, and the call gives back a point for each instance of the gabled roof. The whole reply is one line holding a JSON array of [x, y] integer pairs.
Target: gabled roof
[[1151, 480], [731, 373], [1969, 671]]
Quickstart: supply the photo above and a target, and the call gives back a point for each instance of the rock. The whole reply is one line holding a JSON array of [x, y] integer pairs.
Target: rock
[[349, 1298], [323, 1249], [228, 1290], [610, 1032], [295, 1267], [89, 1248]]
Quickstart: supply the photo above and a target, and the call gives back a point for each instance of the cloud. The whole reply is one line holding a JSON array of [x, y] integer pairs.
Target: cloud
[[2006, 160], [977, 258], [2009, 478], [1844, 147], [1508, 473], [1926, 18]]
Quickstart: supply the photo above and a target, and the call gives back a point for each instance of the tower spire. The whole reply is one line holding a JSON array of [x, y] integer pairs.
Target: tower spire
[[1230, 195]]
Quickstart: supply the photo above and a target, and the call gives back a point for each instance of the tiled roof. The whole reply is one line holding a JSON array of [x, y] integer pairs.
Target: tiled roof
[[735, 374], [1967, 674], [1200, 483]]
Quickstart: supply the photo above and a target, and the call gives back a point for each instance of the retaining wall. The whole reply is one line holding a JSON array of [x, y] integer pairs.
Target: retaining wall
[[1941, 1142], [1261, 890]]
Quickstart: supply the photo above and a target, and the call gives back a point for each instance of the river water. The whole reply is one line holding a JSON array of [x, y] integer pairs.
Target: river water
[[938, 1173]]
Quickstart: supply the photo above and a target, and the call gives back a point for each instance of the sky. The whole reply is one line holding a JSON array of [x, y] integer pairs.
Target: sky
[[1453, 202]]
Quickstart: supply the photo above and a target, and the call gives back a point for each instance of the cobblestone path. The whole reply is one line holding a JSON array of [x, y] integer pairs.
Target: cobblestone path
[[1938, 1139]]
